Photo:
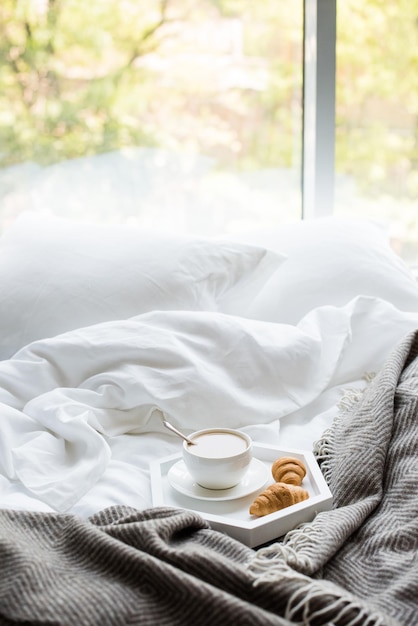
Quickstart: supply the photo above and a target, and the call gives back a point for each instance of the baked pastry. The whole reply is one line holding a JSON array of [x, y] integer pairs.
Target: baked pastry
[[288, 470], [277, 496]]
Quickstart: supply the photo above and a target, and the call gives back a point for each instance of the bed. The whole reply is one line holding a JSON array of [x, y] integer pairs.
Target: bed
[[305, 337]]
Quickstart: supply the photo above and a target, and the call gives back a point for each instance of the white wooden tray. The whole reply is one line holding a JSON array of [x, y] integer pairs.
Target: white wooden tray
[[232, 516]]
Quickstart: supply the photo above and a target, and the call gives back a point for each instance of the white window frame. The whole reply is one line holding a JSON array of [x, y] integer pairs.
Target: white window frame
[[318, 129]]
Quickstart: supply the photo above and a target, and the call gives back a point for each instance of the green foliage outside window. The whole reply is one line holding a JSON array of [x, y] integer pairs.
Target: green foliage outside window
[[80, 78]]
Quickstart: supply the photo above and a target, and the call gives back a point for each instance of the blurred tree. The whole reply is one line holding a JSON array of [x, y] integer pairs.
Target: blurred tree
[[64, 65], [218, 77], [78, 78], [377, 95]]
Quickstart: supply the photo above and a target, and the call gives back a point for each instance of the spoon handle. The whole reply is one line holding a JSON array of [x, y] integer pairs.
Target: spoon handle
[[177, 432]]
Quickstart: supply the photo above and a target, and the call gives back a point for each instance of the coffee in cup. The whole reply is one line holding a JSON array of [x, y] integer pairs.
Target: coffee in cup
[[218, 458]]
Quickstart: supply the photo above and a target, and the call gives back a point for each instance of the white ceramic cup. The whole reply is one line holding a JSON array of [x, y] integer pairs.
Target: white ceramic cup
[[219, 458]]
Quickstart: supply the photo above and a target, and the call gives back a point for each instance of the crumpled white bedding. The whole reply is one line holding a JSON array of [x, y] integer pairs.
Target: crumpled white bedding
[[81, 412]]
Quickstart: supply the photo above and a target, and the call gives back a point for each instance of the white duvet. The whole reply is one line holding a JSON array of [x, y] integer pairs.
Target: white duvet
[[81, 412]]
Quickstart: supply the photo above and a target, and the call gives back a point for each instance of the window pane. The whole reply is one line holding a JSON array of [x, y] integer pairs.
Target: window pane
[[181, 114], [377, 113]]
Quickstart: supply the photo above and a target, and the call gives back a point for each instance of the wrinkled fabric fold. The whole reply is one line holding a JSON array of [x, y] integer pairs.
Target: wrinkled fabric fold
[[157, 566], [66, 399], [72, 393]]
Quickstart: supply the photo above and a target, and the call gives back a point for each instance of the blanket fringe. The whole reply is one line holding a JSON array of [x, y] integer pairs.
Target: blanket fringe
[[336, 611], [289, 558], [295, 547], [323, 448], [313, 600]]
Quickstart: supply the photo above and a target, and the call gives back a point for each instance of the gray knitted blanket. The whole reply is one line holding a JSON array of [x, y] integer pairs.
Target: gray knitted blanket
[[354, 565]]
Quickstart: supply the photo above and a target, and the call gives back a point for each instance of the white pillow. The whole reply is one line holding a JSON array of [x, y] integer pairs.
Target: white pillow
[[330, 261], [57, 275]]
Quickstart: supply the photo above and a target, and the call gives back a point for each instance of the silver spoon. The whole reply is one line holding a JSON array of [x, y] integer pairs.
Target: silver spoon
[[177, 432]]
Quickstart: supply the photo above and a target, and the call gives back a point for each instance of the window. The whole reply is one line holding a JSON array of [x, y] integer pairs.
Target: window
[[187, 114], [181, 114], [376, 116]]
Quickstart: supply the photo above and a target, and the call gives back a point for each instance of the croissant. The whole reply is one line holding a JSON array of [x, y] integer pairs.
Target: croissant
[[277, 496], [288, 470]]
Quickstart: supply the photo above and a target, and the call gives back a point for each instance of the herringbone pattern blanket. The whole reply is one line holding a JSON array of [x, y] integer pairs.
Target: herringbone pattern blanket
[[368, 544], [354, 565]]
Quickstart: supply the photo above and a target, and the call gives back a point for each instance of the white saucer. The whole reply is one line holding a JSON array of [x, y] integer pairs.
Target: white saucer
[[255, 478]]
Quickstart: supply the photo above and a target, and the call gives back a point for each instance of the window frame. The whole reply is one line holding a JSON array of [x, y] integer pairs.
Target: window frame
[[318, 110]]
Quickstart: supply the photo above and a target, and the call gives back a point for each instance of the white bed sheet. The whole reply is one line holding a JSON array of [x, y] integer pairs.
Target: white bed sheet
[[66, 445]]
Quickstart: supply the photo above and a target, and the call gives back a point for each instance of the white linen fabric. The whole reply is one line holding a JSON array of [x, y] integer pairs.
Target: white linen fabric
[[81, 411], [58, 275], [105, 328], [62, 398], [330, 261]]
